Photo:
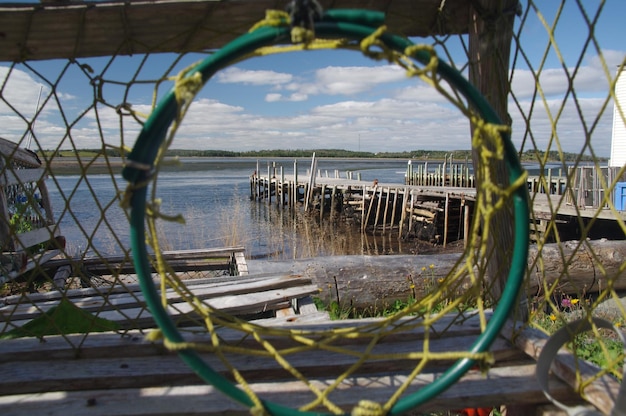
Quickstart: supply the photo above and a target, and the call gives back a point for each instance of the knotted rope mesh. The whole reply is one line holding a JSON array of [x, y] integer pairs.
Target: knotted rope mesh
[[557, 291]]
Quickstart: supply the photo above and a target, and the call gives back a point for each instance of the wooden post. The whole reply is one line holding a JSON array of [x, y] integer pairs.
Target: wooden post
[[258, 180], [380, 199], [322, 200], [549, 190], [295, 183], [280, 201], [387, 201], [490, 34], [393, 210], [466, 225], [60, 277], [363, 219], [411, 215], [446, 216], [269, 184], [311, 183], [405, 200]]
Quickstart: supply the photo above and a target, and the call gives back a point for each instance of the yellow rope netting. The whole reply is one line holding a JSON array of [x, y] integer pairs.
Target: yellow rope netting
[[556, 292], [460, 293]]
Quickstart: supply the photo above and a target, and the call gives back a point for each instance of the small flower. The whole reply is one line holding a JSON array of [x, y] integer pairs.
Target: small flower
[[552, 317], [440, 280], [432, 266], [566, 303], [575, 301], [424, 268], [618, 324], [412, 286]]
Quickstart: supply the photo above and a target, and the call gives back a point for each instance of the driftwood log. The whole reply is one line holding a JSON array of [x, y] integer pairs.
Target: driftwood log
[[375, 282]]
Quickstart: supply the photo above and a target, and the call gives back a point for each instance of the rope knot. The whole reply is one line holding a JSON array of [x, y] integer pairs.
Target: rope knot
[[368, 408], [273, 18], [374, 48], [258, 410]]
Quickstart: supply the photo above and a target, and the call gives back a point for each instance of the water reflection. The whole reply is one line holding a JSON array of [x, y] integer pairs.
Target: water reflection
[[213, 197]]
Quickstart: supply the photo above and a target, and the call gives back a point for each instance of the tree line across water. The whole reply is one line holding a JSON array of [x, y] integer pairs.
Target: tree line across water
[[527, 156]]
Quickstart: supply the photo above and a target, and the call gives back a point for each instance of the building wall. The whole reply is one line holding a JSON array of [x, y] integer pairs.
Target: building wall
[[618, 142]]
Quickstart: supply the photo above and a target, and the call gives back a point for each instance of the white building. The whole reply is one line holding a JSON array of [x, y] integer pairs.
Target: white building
[[618, 140]]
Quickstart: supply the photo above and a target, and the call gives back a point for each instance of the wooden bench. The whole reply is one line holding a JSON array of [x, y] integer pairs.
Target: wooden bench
[[123, 374]]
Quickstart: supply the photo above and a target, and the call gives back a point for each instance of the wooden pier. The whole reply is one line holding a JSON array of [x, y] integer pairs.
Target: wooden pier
[[436, 203], [436, 214]]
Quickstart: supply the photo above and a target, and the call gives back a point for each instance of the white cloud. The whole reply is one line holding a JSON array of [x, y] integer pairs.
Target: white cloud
[[275, 97], [334, 80], [587, 122], [378, 106], [236, 75]]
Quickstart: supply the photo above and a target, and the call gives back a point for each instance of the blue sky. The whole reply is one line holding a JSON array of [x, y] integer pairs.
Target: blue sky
[[337, 99]]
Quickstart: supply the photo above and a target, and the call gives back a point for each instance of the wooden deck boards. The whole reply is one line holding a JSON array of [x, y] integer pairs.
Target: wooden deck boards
[[125, 374], [234, 295], [548, 207], [128, 375], [473, 390], [58, 29]]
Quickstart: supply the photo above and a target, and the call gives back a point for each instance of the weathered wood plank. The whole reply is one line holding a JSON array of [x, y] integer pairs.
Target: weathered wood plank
[[158, 369], [115, 370], [10, 177], [19, 155], [179, 260], [102, 345], [129, 288], [507, 385], [36, 236], [80, 29], [130, 311], [601, 392]]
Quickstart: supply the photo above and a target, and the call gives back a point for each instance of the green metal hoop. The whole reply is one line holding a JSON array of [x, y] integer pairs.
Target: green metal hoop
[[347, 24]]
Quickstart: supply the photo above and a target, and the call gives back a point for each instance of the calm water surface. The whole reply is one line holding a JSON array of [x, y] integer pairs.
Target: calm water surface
[[213, 195]]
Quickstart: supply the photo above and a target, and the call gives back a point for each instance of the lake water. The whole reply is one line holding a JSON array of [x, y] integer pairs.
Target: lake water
[[213, 195]]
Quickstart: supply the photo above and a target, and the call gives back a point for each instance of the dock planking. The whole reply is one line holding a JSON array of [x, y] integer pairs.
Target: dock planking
[[437, 207], [115, 368]]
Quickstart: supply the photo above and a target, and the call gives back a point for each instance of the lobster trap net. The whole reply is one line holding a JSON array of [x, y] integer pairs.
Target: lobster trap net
[[494, 276]]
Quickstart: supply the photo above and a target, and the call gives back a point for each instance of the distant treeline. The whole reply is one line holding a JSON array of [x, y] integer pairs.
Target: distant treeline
[[527, 156]]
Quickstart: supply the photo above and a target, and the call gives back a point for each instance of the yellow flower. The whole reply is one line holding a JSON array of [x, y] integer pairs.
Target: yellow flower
[[440, 280], [552, 317], [618, 324], [432, 266], [574, 301], [424, 268], [412, 286]]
